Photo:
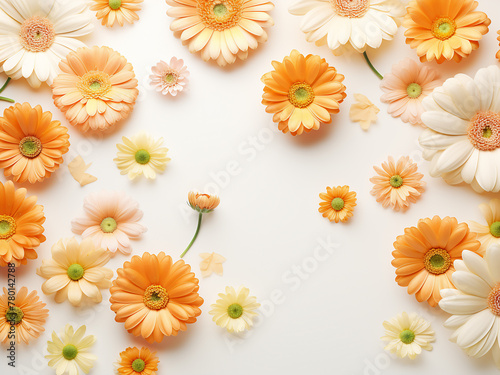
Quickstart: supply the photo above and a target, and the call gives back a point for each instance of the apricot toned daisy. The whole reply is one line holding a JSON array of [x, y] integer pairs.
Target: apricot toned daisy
[[397, 184], [96, 88], [424, 256], [498, 38], [21, 225], [134, 361], [25, 312], [338, 203], [112, 11], [444, 29], [31, 144], [302, 92], [221, 30], [155, 297]]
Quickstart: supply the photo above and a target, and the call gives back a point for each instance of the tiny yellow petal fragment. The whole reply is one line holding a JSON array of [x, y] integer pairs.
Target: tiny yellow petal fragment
[[364, 111], [212, 262], [77, 168]]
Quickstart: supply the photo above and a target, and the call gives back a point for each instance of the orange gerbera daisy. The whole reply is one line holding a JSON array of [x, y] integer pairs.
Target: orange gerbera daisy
[[397, 184], [444, 29], [135, 361], [424, 256], [111, 11], [498, 38], [96, 89], [155, 297], [203, 203], [31, 144], [25, 313], [21, 227], [338, 203], [302, 92]]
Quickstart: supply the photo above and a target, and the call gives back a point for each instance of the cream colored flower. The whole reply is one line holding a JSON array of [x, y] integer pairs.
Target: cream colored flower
[[70, 352], [235, 310], [408, 334], [363, 111], [141, 154], [75, 272], [488, 234]]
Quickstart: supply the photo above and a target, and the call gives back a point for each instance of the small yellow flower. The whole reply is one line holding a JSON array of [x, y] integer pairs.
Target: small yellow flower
[[363, 111]]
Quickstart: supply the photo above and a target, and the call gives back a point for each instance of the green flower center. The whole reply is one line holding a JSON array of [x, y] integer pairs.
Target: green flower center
[[69, 352], [301, 95], [220, 10], [155, 297], [443, 28], [96, 85], [414, 90], [487, 132], [170, 78], [138, 365], [14, 315], [437, 261], [75, 272], [338, 204], [142, 157], [495, 229], [407, 336], [235, 311], [7, 227], [115, 4], [30, 147], [396, 181], [108, 225]]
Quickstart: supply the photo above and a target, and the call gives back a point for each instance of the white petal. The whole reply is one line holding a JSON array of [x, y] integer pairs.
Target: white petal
[[477, 265], [470, 167], [493, 259], [454, 156], [469, 283], [445, 123], [476, 328], [486, 174], [463, 304]]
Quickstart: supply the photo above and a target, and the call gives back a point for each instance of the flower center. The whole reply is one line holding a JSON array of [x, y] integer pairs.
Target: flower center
[[494, 300], [170, 78], [437, 261], [14, 315], [155, 297], [138, 365], [37, 34], [351, 8], [108, 225], [69, 352], [484, 131], [235, 311], [407, 336], [7, 227], [142, 157], [337, 204], [443, 28], [220, 15], [301, 94], [396, 181], [495, 229], [94, 84], [414, 90], [115, 4], [75, 272], [30, 147]]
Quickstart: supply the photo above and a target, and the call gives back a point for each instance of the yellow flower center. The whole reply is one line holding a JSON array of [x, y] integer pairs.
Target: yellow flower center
[[30, 147], [170, 78], [484, 131], [351, 8], [37, 34], [443, 28], [115, 4], [301, 94], [155, 297], [494, 300], [437, 261], [414, 90], [94, 84], [219, 14], [7, 227], [108, 225]]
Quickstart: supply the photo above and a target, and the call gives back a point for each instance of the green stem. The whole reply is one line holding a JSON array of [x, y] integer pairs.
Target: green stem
[[372, 67], [7, 99], [195, 235], [5, 85], [3, 88]]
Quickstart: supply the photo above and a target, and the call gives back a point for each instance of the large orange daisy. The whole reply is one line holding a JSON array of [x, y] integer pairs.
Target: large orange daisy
[[302, 92], [424, 256], [135, 361], [96, 88], [21, 229], [31, 144], [444, 29], [25, 313], [155, 297]]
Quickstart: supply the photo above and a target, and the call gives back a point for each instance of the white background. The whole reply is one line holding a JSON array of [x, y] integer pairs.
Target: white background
[[267, 224]]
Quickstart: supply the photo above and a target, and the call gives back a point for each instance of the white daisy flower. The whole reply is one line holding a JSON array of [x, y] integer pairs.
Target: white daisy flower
[[35, 35]]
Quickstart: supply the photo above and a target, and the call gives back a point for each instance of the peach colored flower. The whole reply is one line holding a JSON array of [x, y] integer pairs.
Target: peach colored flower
[[397, 184], [169, 78], [203, 203], [96, 89], [337, 203], [112, 11], [405, 87]]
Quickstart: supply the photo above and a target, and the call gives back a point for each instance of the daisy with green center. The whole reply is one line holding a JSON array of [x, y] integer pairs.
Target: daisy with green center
[[70, 352], [407, 335], [337, 203], [488, 234], [141, 154], [235, 310]]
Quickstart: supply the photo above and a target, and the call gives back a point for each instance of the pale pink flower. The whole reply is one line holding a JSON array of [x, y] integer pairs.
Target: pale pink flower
[[111, 220], [169, 78], [405, 87]]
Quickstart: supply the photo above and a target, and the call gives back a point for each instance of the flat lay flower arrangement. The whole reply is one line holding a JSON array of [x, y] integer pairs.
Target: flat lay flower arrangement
[[165, 163]]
